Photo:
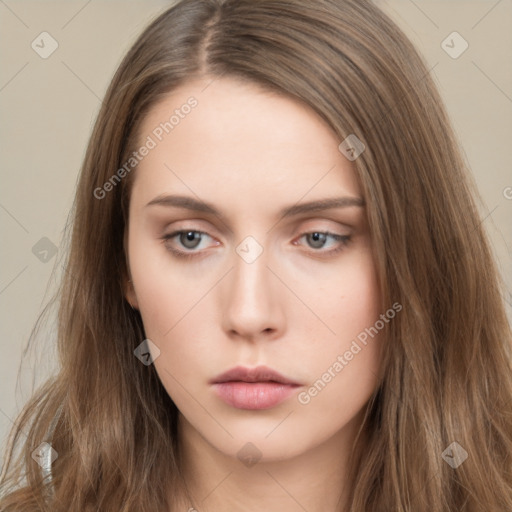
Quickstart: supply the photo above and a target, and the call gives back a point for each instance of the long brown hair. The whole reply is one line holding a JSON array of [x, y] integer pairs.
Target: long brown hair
[[446, 371]]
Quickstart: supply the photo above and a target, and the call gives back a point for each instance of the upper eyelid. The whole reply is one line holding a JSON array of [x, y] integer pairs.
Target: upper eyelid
[[170, 228], [207, 231]]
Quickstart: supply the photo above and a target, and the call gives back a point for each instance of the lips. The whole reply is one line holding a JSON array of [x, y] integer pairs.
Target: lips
[[253, 388], [258, 374]]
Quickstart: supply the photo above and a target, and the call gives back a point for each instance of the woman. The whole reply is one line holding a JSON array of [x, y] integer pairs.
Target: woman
[[278, 294]]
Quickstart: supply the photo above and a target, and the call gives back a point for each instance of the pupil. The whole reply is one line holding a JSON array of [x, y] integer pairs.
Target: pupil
[[318, 239], [190, 239]]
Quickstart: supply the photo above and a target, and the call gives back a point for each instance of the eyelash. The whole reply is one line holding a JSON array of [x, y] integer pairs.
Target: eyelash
[[344, 241]]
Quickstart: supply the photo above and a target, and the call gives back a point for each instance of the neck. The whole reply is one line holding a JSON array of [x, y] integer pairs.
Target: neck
[[317, 480]]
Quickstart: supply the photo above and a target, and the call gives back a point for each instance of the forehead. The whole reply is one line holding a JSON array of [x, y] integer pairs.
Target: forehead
[[223, 136]]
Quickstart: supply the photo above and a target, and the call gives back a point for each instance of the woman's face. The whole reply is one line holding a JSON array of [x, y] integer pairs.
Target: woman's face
[[249, 249]]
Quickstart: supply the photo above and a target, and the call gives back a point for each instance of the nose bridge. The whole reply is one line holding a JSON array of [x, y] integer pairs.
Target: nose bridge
[[251, 306], [250, 279]]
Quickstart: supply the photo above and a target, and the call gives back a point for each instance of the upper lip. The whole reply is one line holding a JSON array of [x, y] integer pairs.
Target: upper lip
[[258, 374]]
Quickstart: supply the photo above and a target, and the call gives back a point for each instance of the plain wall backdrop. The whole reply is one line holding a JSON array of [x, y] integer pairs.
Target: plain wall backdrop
[[48, 103]]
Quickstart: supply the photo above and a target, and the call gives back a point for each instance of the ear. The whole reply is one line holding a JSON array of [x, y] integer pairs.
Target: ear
[[129, 293], [127, 283]]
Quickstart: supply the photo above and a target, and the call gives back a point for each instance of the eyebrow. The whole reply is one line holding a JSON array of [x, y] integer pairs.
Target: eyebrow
[[189, 203]]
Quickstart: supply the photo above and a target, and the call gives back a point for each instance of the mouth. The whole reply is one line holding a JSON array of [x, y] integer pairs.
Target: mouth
[[253, 388]]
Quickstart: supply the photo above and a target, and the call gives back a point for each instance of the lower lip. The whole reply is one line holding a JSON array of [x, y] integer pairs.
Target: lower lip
[[254, 395]]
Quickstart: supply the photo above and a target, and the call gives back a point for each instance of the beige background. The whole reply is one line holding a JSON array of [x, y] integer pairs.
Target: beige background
[[48, 106]]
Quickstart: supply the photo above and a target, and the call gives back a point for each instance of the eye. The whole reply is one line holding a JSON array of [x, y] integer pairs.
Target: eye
[[186, 242], [325, 242]]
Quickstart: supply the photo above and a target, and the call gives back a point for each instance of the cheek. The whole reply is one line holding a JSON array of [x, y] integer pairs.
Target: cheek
[[165, 294], [344, 375], [176, 310], [359, 298], [347, 298], [337, 396], [345, 361]]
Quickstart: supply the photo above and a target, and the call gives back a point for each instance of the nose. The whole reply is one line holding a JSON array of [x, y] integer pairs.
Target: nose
[[253, 305]]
